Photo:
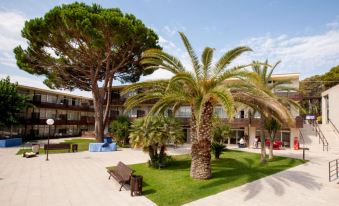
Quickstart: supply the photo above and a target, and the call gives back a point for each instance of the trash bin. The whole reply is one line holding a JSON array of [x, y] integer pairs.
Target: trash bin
[[136, 185], [296, 143], [74, 147], [35, 148]]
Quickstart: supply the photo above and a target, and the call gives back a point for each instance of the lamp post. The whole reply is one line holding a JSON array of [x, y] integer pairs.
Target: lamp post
[[49, 122]]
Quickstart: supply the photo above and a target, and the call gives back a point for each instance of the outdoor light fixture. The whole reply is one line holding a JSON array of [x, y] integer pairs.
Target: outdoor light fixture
[[49, 122]]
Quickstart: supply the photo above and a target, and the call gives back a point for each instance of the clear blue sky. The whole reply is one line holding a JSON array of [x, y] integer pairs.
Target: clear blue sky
[[304, 34]]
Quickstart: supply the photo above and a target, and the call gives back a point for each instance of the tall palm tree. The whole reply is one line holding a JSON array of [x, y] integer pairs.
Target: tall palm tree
[[201, 89], [264, 83]]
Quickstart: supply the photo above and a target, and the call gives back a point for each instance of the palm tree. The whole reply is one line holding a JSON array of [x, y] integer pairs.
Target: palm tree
[[262, 82], [201, 89], [153, 134], [272, 126]]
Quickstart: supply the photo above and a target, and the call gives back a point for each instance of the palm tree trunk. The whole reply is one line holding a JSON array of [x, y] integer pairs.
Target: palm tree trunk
[[201, 144], [270, 154], [263, 146]]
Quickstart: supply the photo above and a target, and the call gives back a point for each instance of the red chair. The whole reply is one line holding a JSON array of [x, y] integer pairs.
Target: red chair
[[276, 144]]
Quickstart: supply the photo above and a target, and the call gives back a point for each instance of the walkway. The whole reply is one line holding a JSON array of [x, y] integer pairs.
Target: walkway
[[81, 179], [69, 179], [302, 185]]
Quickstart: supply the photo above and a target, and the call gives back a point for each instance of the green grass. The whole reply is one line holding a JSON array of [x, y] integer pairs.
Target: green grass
[[174, 186], [82, 146]]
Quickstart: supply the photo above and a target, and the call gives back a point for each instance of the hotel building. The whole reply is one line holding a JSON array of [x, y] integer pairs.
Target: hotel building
[[75, 114], [245, 122], [72, 114]]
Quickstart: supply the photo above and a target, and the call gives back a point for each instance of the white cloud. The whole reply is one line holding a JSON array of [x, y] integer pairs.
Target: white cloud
[[172, 30], [11, 24], [305, 54]]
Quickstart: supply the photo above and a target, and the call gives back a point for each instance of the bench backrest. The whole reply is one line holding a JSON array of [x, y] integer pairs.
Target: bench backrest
[[124, 171], [57, 146]]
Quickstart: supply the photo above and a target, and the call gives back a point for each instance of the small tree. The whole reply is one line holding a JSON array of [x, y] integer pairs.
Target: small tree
[[152, 134], [220, 134], [86, 47], [11, 103], [272, 126], [120, 129]]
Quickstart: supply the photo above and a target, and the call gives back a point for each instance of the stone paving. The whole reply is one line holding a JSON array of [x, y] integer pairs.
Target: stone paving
[[305, 184], [81, 179], [67, 179]]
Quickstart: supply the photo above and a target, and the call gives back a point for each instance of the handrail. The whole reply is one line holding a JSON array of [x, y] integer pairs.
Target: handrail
[[335, 128], [333, 170], [302, 138], [319, 133]]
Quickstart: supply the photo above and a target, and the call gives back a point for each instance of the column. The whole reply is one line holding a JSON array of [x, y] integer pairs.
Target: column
[[294, 132]]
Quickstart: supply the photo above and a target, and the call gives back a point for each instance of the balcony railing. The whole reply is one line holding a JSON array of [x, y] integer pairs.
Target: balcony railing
[[244, 122], [121, 101], [38, 121], [291, 95], [63, 106]]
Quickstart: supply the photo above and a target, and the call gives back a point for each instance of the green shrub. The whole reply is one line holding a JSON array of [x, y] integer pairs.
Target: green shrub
[[217, 149]]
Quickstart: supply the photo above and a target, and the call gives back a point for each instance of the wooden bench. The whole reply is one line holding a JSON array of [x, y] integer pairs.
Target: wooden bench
[[58, 146], [121, 173]]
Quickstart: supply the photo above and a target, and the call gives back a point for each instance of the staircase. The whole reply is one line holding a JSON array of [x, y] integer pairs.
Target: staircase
[[310, 138], [331, 135]]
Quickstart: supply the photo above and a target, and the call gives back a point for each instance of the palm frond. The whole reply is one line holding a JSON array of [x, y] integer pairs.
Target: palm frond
[[225, 98], [228, 57], [159, 57], [195, 61], [206, 58], [160, 84], [273, 68]]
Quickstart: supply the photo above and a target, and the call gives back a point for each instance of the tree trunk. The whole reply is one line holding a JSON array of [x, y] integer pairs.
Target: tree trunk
[[98, 114], [201, 144], [272, 137], [263, 146], [201, 159], [270, 154]]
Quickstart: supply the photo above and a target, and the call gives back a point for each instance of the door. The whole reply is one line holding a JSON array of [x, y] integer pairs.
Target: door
[[327, 105]]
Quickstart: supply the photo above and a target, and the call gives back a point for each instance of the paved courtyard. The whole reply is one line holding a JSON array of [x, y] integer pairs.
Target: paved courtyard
[[81, 179], [306, 184]]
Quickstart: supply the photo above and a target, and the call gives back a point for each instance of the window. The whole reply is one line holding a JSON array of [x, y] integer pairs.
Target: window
[[257, 115], [51, 99], [184, 111], [220, 112]]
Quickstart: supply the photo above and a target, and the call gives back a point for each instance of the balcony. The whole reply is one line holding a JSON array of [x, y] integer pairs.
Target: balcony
[[38, 121], [65, 106], [292, 95], [121, 101], [244, 122]]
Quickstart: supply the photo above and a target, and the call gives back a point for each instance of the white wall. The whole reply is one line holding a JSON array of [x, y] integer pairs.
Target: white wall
[[333, 97]]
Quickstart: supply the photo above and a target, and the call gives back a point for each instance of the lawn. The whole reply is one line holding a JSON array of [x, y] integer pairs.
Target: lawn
[[174, 186], [82, 146]]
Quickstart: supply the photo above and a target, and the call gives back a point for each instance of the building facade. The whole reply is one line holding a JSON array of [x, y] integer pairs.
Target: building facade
[[330, 106], [72, 114], [75, 114], [245, 123]]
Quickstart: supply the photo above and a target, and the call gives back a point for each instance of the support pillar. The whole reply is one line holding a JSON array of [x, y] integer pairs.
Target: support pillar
[[294, 132]]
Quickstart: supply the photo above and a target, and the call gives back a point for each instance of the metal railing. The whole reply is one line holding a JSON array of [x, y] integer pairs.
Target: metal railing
[[333, 172], [320, 134], [335, 128], [302, 140]]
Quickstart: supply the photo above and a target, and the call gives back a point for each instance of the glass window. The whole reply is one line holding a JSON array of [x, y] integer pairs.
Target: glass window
[[257, 115], [184, 111], [220, 112]]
